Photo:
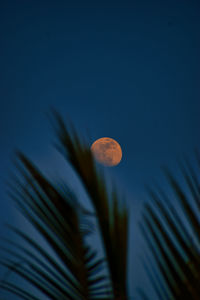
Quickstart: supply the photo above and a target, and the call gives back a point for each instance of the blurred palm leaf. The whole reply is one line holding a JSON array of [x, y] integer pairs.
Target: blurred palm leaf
[[112, 219], [173, 236], [74, 271]]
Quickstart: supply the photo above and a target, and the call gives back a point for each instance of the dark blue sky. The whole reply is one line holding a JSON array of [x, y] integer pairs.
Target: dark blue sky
[[125, 69]]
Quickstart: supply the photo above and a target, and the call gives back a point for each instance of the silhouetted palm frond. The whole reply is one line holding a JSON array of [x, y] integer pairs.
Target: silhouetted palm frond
[[74, 271], [112, 219], [173, 236]]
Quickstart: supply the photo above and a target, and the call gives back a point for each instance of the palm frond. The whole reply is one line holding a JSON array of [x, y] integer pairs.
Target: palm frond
[[112, 219], [173, 236], [74, 271]]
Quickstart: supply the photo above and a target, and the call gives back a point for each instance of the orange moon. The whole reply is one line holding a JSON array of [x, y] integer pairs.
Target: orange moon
[[107, 151]]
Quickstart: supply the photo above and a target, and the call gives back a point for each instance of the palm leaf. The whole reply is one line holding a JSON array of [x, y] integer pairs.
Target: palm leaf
[[174, 236], [112, 219], [74, 271]]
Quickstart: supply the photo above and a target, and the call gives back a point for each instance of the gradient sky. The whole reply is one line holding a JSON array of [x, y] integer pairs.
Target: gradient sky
[[129, 70]]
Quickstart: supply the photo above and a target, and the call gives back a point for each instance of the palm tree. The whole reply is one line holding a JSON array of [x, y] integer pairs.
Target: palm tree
[[173, 236], [75, 271]]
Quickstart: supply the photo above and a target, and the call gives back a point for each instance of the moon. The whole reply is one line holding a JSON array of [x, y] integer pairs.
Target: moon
[[107, 151]]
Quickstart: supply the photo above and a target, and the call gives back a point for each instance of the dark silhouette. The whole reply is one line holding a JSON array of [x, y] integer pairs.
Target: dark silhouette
[[76, 271], [173, 235]]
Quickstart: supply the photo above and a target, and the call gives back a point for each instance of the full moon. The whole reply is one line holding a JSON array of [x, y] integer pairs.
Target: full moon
[[107, 151]]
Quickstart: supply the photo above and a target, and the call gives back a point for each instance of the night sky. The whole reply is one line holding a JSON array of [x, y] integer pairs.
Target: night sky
[[125, 69]]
